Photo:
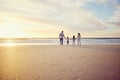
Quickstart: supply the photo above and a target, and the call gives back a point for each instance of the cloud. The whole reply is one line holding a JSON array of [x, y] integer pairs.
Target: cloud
[[115, 19], [69, 15]]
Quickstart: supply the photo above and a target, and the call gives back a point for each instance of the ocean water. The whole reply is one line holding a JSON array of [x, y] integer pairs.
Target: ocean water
[[46, 41]]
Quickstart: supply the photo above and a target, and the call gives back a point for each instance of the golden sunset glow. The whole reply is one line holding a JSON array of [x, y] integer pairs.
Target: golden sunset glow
[[9, 42], [45, 19], [10, 28]]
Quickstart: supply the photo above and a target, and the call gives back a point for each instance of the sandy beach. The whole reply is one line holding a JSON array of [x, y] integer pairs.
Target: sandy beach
[[55, 62]]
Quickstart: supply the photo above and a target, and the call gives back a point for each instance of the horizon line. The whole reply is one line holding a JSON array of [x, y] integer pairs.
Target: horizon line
[[58, 38]]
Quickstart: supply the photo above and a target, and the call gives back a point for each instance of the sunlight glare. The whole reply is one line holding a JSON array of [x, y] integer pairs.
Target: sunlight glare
[[9, 43], [11, 28]]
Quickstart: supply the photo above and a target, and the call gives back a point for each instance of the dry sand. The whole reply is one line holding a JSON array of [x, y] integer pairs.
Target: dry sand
[[54, 62]]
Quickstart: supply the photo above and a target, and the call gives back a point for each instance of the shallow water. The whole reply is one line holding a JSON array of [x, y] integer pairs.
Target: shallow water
[[48, 41]]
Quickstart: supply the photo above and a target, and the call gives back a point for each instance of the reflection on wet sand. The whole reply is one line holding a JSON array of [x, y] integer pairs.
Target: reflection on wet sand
[[38, 62], [17, 62]]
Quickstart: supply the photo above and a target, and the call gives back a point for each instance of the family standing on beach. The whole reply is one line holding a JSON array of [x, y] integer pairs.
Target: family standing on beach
[[62, 36]]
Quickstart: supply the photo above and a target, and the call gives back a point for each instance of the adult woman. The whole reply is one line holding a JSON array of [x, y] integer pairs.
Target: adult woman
[[79, 39]]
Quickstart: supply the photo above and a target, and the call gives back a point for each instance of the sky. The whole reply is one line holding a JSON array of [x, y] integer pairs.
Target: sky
[[47, 18]]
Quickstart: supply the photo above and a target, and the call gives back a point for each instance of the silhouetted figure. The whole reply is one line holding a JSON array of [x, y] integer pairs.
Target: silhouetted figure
[[61, 36], [67, 40], [79, 39], [73, 39]]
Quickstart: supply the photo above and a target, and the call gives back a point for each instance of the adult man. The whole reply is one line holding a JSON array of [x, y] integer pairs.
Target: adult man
[[61, 36]]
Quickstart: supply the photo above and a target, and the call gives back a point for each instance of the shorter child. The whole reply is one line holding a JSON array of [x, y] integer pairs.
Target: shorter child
[[67, 40]]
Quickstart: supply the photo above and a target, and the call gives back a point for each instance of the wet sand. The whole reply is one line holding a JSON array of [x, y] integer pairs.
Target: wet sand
[[54, 62]]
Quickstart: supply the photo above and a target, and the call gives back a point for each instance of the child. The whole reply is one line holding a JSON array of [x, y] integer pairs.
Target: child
[[73, 39], [67, 40]]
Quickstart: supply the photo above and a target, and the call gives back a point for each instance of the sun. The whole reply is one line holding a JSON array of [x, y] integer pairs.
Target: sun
[[10, 28], [9, 42]]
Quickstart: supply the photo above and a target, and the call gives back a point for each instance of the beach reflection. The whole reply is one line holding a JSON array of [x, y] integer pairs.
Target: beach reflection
[[9, 43], [38, 62], [8, 61], [17, 63]]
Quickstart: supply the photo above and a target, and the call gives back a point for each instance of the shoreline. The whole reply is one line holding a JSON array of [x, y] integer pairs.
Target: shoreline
[[56, 41], [59, 44]]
